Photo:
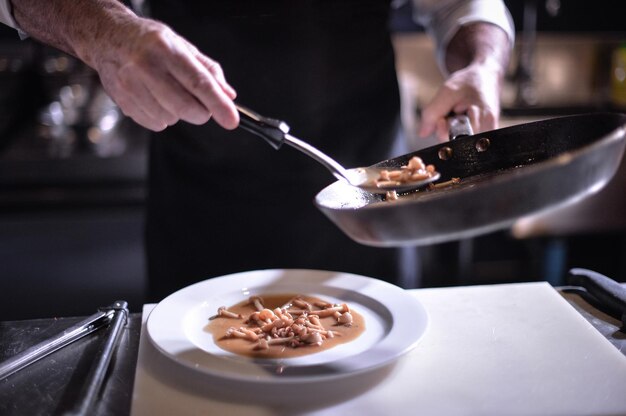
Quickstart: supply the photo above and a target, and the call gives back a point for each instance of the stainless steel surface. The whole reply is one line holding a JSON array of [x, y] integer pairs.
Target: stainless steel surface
[[526, 169], [53, 385], [37, 352]]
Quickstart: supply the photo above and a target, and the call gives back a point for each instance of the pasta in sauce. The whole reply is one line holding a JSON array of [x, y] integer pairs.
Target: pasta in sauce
[[284, 325]]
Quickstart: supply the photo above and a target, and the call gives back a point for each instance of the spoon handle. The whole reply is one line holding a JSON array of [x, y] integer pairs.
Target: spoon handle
[[270, 129], [275, 132], [328, 162]]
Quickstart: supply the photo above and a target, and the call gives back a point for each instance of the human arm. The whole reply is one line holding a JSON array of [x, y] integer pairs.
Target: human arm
[[155, 76], [474, 40]]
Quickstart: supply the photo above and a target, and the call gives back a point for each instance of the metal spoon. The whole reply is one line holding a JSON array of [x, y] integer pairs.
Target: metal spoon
[[276, 132]]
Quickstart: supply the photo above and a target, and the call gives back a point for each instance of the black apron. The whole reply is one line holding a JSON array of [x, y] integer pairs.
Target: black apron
[[224, 201]]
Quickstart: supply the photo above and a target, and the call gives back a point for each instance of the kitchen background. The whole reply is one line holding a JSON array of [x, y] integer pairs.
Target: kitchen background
[[73, 168]]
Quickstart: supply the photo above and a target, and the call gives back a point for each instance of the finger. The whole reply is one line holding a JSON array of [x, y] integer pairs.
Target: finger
[[131, 109], [142, 98], [426, 126], [488, 120], [175, 98], [217, 72], [443, 132], [435, 111], [142, 118], [200, 82], [460, 108], [473, 113], [216, 69]]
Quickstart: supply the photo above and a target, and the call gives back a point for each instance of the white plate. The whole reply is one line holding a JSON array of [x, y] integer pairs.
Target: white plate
[[395, 321]]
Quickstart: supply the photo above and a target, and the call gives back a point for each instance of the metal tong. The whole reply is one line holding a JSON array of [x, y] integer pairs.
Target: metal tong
[[114, 315]]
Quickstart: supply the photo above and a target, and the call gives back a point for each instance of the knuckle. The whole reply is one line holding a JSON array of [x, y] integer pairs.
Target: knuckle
[[199, 82], [194, 114], [214, 66], [149, 49], [156, 38]]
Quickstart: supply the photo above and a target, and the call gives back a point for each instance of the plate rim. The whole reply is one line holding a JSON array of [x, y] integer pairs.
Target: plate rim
[[341, 280]]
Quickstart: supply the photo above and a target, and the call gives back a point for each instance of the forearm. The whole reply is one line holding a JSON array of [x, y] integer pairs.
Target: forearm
[[481, 44], [154, 75], [78, 27]]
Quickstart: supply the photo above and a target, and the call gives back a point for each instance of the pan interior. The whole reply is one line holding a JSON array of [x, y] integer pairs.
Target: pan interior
[[515, 150], [342, 196]]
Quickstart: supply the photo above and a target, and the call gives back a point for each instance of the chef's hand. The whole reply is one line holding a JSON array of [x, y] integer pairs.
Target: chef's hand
[[158, 78], [477, 58], [473, 90], [155, 76]]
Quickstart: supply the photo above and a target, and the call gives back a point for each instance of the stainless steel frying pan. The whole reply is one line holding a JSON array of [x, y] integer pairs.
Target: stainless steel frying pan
[[503, 174]]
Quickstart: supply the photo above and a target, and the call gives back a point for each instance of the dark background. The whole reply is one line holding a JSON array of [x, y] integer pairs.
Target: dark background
[[71, 228]]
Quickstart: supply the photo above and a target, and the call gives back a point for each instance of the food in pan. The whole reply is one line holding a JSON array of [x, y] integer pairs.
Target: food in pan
[[284, 325], [452, 181], [414, 171], [391, 196]]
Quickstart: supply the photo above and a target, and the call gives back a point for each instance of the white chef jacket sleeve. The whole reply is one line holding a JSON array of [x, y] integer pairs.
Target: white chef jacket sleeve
[[6, 17], [443, 18]]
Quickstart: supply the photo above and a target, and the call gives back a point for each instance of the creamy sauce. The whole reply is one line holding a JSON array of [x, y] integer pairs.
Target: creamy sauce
[[218, 327]]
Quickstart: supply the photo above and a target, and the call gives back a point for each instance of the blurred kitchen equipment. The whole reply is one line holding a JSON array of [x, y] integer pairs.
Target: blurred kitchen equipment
[[82, 117], [600, 290], [502, 175], [276, 132], [618, 75]]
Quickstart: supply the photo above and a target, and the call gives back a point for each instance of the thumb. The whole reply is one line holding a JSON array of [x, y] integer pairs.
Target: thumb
[[435, 111]]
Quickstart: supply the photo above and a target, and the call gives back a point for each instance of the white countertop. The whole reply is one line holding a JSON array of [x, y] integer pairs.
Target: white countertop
[[511, 349]]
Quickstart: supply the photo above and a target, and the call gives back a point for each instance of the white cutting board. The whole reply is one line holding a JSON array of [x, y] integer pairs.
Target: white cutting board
[[511, 349]]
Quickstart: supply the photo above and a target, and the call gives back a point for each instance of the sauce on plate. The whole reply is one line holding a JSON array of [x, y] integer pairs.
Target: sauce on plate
[[220, 326]]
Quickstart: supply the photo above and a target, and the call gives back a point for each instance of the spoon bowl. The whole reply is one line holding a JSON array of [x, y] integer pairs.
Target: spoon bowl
[[368, 180]]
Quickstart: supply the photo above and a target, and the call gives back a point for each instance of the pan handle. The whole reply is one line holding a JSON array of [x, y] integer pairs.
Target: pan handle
[[270, 129], [459, 125]]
